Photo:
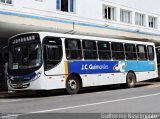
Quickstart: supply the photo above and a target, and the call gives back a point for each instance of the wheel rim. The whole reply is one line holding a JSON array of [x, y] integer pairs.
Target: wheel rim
[[131, 80], [72, 84]]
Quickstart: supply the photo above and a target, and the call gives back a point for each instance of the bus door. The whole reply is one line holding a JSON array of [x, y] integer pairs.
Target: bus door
[[52, 47], [158, 59]]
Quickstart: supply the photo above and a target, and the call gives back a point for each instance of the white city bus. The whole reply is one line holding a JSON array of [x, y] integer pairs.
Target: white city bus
[[48, 61]]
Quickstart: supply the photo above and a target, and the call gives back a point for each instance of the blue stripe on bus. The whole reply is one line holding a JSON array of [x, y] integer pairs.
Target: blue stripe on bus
[[92, 67], [24, 77]]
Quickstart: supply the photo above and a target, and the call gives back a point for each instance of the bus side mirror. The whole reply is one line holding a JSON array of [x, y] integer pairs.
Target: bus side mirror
[[5, 56]]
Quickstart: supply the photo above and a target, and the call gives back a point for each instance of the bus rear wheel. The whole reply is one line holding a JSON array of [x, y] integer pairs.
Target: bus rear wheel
[[131, 80], [72, 85]]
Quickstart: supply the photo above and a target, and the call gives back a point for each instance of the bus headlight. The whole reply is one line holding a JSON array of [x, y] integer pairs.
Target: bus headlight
[[10, 77], [37, 76]]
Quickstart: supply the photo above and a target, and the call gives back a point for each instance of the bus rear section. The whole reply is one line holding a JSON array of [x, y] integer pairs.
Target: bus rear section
[[101, 62], [158, 59]]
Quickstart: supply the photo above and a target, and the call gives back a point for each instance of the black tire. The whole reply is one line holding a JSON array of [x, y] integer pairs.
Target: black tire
[[131, 80], [72, 85]]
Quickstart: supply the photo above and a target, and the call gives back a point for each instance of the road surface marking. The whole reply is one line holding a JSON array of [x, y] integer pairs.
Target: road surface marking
[[93, 104], [153, 86]]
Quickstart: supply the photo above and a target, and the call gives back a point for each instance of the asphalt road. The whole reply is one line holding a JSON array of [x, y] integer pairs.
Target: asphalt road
[[144, 98]]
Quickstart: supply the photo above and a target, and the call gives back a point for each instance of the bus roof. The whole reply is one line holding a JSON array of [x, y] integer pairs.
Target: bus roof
[[44, 34]]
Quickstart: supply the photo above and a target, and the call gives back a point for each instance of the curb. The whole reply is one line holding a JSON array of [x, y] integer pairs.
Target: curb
[[6, 94]]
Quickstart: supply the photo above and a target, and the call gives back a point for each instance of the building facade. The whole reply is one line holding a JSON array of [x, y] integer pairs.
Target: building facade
[[137, 19], [119, 18]]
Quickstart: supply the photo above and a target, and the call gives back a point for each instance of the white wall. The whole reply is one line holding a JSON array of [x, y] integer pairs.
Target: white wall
[[89, 11], [149, 6]]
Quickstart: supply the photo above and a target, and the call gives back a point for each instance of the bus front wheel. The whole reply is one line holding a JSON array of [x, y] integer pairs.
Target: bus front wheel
[[72, 85], [131, 80]]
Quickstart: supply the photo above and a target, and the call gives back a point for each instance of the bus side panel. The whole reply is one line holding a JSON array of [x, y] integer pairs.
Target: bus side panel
[[141, 76], [93, 73], [119, 78], [57, 70], [98, 67], [105, 79], [139, 66], [89, 80], [54, 82], [110, 72]]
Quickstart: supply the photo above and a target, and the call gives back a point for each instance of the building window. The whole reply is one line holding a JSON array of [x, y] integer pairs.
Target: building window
[[125, 16], [109, 12], [65, 5], [6, 1], [140, 19], [152, 22]]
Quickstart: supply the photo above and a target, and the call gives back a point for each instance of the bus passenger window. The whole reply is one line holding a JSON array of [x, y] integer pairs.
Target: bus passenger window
[[150, 52], [89, 49], [117, 51], [130, 50], [142, 52], [73, 49], [104, 50]]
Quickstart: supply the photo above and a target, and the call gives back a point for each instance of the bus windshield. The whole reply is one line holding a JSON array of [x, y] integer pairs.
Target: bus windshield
[[26, 56]]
